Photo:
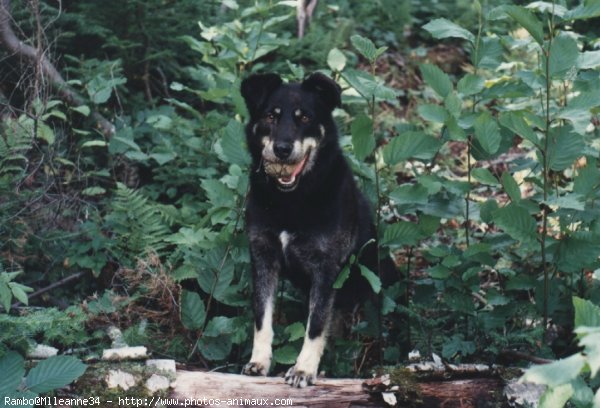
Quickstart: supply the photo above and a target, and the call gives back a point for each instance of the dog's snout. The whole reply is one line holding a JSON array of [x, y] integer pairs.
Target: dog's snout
[[282, 149]]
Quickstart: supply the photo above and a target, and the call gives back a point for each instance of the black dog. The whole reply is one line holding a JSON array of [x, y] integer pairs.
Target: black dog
[[305, 216]]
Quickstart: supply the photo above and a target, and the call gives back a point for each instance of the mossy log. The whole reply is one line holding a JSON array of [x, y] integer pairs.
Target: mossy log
[[203, 388]]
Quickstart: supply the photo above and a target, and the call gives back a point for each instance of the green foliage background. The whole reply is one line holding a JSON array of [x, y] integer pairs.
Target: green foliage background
[[473, 128]]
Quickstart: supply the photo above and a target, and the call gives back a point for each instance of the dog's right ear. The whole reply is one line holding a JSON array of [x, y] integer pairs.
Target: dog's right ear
[[256, 90]]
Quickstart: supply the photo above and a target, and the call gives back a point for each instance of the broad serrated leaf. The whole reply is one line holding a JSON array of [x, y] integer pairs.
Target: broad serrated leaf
[[370, 276], [193, 312], [362, 136], [515, 122], [564, 147], [364, 46], [516, 222], [588, 60], [556, 373], [470, 84], [586, 10], [410, 145], [563, 57], [231, 147], [527, 20], [511, 187], [557, 396], [587, 180], [443, 28], [437, 79], [401, 233], [20, 292], [369, 87], [409, 194], [215, 348], [82, 109], [487, 132], [219, 326], [12, 367], [586, 313], [433, 113], [453, 104], [53, 373], [336, 60], [484, 176], [489, 53]]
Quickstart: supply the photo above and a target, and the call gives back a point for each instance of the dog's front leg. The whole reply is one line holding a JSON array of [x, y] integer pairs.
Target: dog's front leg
[[266, 265], [321, 304]]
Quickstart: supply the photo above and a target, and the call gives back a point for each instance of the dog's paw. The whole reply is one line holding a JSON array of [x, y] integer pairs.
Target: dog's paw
[[254, 369], [299, 378]]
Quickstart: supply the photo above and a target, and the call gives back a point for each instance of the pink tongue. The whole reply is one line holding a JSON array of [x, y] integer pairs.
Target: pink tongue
[[299, 168]]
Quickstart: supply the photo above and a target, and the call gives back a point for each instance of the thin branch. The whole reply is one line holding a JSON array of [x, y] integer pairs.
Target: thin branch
[[9, 40]]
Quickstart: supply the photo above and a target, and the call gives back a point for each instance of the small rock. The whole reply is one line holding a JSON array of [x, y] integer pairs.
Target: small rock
[[125, 353], [523, 394], [120, 378], [162, 364], [116, 336], [41, 351], [157, 383], [389, 398]]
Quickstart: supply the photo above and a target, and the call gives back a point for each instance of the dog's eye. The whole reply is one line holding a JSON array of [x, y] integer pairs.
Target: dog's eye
[[304, 119], [270, 118]]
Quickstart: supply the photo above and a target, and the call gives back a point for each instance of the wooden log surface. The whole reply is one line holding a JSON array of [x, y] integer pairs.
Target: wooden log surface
[[197, 389]]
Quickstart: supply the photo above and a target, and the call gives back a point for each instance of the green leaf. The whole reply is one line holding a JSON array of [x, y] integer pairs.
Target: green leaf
[[527, 20], [12, 367], [215, 348], [410, 145], [470, 84], [366, 47], [516, 222], [342, 277], [370, 276], [591, 344], [231, 147], [95, 143], [563, 57], [20, 292], [369, 87], [487, 132], [401, 233], [5, 296], [442, 28], [511, 187], [362, 136], [453, 104], [219, 326], [484, 176], [285, 355], [564, 147], [295, 331], [556, 373], [555, 397], [489, 53], [437, 79], [433, 113], [409, 194], [587, 9], [336, 60], [193, 313], [515, 122], [53, 373], [82, 109], [586, 313], [588, 60], [93, 191]]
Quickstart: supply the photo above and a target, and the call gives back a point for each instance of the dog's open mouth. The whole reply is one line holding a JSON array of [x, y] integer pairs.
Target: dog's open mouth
[[286, 174]]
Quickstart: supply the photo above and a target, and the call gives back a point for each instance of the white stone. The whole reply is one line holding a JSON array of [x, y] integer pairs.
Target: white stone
[[124, 353], [41, 351], [166, 365], [121, 379], [157, 383], [389, 398]]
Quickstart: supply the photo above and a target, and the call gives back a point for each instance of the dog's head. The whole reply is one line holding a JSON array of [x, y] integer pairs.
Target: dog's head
[[289, 123]]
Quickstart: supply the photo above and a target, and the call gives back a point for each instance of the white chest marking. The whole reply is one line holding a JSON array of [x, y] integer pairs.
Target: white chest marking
[[284, 237]]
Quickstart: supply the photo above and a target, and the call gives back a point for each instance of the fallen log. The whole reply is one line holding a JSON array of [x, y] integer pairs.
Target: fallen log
[[199, 389]]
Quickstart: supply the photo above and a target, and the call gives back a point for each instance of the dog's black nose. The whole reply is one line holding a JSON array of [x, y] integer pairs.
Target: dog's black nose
[[282, 149]]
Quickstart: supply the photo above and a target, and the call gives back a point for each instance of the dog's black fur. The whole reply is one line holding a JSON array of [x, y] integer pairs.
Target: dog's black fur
[[304, 226]]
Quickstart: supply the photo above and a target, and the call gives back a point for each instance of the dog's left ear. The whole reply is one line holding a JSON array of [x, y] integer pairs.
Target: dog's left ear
[[327, 89]]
